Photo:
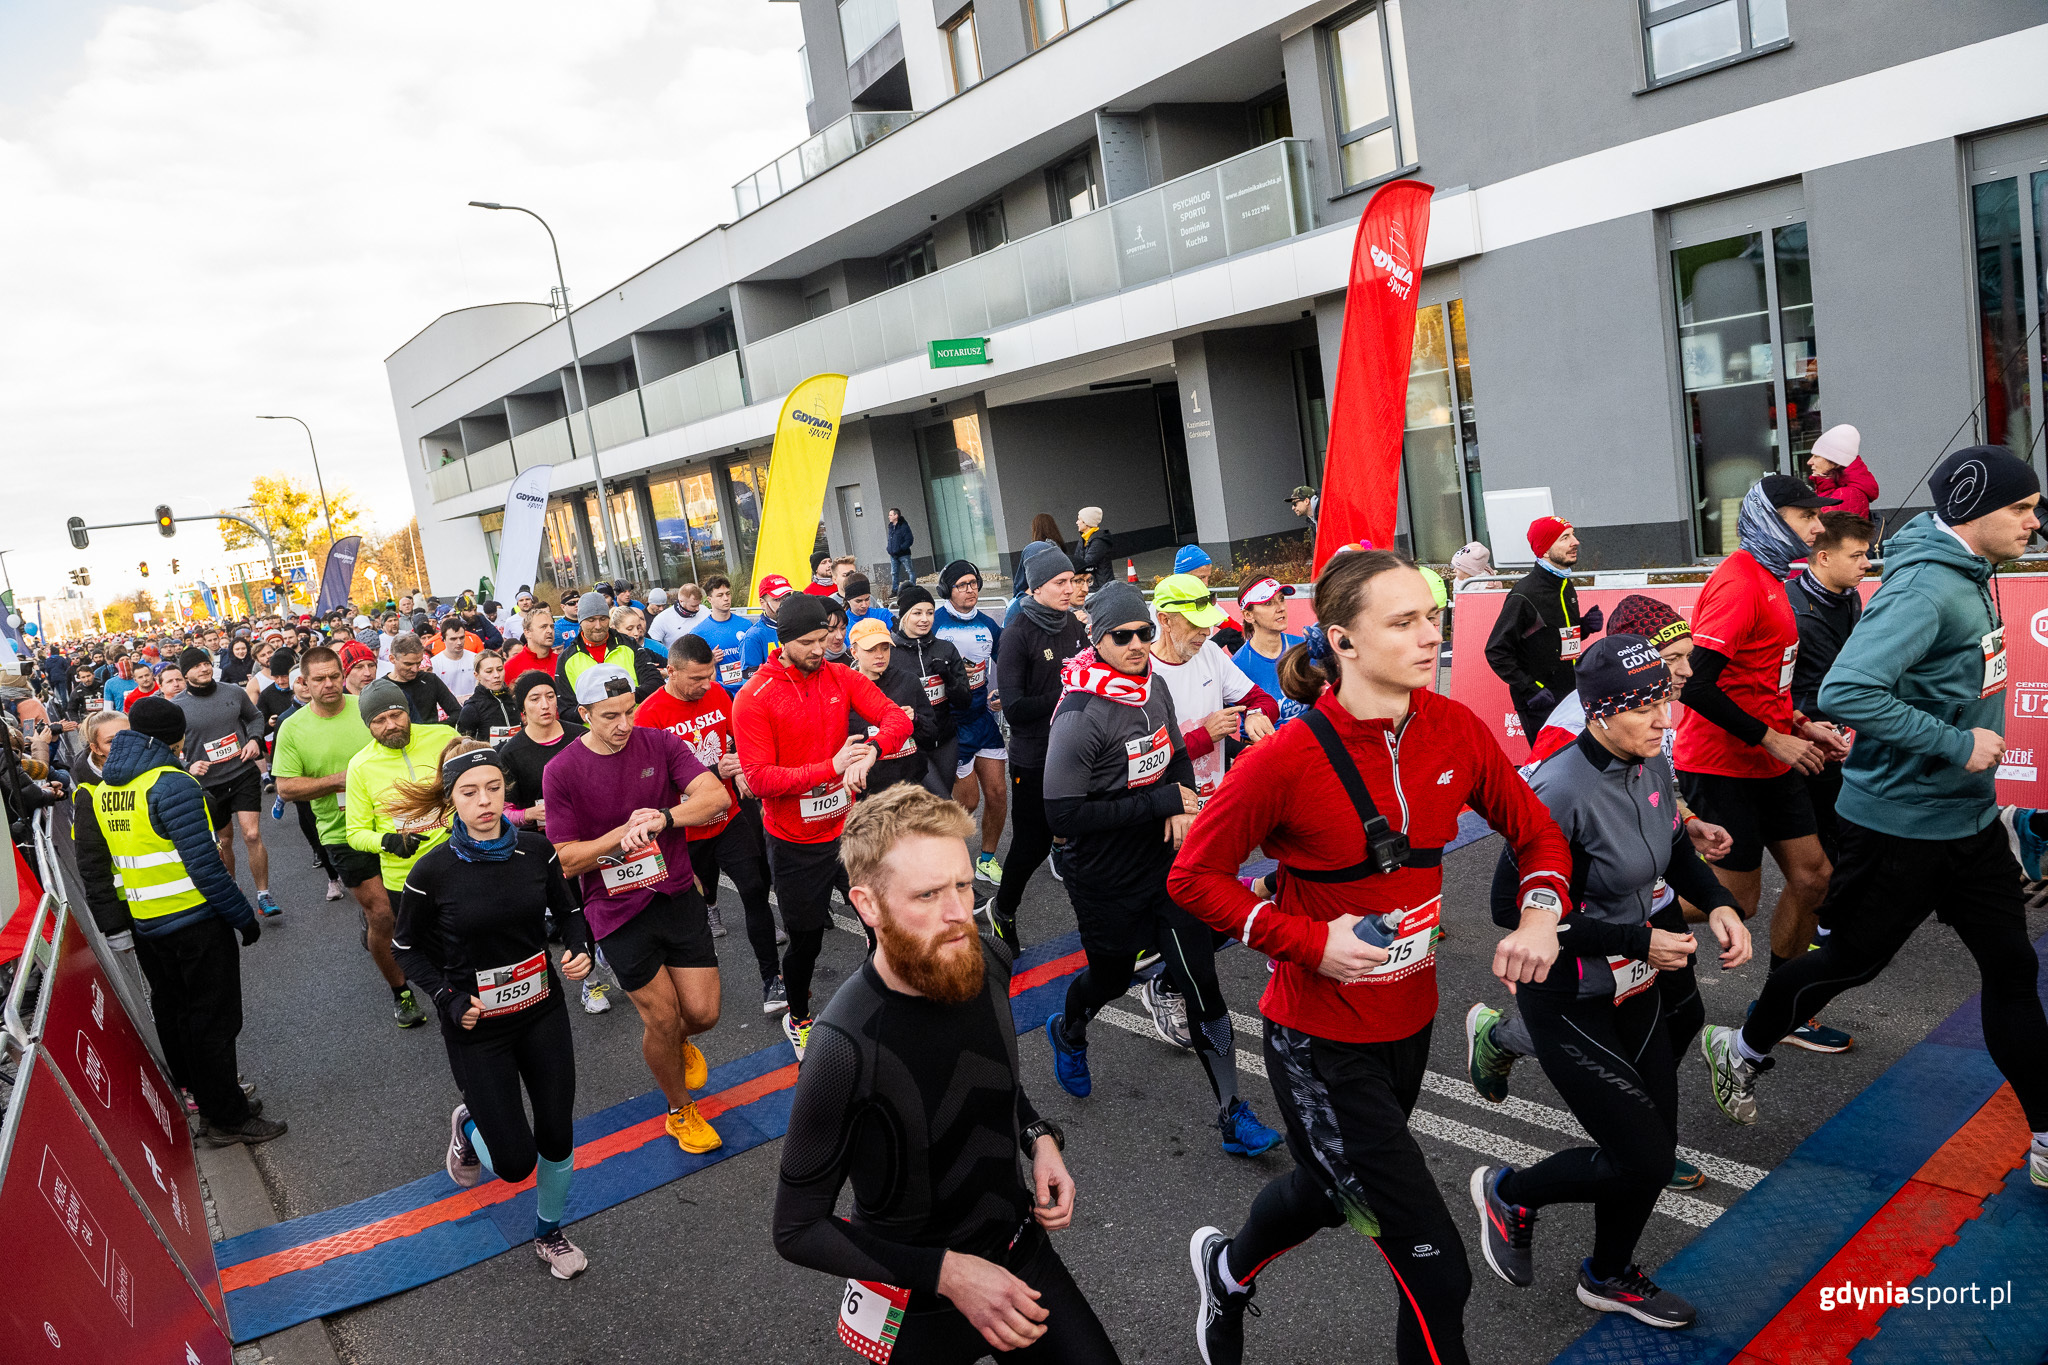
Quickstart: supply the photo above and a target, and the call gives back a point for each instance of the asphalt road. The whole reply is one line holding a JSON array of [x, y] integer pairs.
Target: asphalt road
[[687, 1272]]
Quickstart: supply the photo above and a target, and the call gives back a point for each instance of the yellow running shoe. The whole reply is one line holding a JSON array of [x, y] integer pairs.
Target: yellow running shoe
[[696, 1071], [691, 1132]]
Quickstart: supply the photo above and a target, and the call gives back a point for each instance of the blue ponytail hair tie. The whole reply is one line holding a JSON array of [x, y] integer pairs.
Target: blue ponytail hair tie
[[1318, 645]]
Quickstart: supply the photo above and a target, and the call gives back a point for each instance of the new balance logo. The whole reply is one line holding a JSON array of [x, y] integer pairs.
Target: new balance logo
[[1444, 778]]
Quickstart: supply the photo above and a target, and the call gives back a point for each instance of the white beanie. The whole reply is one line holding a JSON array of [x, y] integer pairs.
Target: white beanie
[[1091, 516], [1839, 445]]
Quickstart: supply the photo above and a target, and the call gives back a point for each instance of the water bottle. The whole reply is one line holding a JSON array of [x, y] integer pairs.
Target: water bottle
[[1379, 930]]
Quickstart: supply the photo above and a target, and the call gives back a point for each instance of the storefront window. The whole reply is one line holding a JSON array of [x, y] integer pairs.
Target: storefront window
[[1439, 456], [955, 473], [687, 530], [2009, 242], [623, 529], [749, 479], [564, 560]]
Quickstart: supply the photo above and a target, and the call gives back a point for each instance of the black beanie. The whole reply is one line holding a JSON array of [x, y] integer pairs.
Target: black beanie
[[1980, 479], [1620, 673], [954, 572], [857, 585], [913, 595], [159, 719], [194, 655], [799, 615]]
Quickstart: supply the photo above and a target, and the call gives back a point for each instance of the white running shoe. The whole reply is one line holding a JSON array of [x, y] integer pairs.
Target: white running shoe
[[334, 891], [596, 998], [565, 1260], [1734, 1078]]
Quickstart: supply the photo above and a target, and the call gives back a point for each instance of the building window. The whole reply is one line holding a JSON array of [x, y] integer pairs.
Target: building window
[[2010, 305], [1051, 18], [1271, 119], [1369, 70], [986, 227], [748, 478], [624, 530], [803, 66], [862, 23], [956, 491], [688, 534], [1685, 37], [565, 561], [963, 50], [1072, 187], [1743, 302], [911, 263], [1439, 444]]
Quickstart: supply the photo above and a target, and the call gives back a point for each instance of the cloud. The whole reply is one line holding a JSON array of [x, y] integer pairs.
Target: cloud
[[239, 206]]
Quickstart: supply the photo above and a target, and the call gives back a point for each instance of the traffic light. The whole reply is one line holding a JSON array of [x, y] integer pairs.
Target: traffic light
[[85, 578], [145, 568], [174, 568], [165, 526], [79, 539]]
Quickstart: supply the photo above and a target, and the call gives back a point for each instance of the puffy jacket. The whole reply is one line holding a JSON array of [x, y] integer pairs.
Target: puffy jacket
[[486, 711], [1852, 485], [900, 539], [901, 684], [941, 669], [788, 725], [177, 811], [1093, 553]]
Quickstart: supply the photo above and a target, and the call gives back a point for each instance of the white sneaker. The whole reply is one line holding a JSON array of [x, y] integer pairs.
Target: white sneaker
[[594, 998], [565, 1260], [2037, 1165], [334, 890]]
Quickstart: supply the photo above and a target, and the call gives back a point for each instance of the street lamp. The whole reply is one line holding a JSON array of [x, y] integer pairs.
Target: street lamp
[[317, 480], [604, 501]]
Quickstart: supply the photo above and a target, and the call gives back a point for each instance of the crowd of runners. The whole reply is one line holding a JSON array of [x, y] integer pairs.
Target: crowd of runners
[[518, 799]]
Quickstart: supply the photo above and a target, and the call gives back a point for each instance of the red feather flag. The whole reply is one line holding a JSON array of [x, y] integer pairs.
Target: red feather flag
[[1362, 470]]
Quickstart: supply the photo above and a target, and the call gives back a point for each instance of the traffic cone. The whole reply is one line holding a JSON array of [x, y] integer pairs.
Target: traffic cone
[[1131, 571]]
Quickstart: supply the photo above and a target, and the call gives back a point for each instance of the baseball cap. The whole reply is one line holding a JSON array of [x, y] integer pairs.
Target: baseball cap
[[1187, 596], [1265, 590], [1782, 490], [773, 586], [600, 681], [1300, 491], [866, 632], [1190, 558]]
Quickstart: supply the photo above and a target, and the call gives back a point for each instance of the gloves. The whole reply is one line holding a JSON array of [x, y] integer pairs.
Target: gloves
[[1542, 704], [250, 933], [1590, 623], [401, 845]]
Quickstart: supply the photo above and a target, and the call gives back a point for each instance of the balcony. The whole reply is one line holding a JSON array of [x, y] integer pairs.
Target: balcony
[[816, 155], [1252, 200], [694, 394]]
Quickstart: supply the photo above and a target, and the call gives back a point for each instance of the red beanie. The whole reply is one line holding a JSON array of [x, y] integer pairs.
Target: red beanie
[[1544, 531]]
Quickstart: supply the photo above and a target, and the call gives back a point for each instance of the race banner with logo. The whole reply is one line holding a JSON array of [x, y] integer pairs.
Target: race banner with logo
[[805, 437], [526, 514], [1362, 470], [338, 575]]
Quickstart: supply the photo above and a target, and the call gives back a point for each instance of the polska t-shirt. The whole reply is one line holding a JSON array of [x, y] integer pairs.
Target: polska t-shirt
[[706, 726], [1744, 615]]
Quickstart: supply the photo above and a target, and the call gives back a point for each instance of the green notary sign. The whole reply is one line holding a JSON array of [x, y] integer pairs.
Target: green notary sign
[[960, 351]]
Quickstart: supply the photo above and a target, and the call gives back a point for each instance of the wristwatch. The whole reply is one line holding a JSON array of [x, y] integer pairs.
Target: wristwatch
[[1028, 1139], [668, 818], [1543, 898]]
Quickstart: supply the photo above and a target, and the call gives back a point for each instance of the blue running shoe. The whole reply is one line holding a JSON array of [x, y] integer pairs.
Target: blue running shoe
[[267, 904], [2027, 846], [1069, 1063], [1243, 1134], [277, 809]]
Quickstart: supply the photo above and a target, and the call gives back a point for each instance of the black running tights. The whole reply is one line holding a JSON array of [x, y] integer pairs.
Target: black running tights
[[490, 1070]]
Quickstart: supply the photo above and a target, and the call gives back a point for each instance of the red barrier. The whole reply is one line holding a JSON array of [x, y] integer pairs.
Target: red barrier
[[137, 1113], [88, 1280]]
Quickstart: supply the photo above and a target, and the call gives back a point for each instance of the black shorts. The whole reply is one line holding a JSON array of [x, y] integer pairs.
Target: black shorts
[[1886, 885], [352, 865], [804, 875], [670, 932], [236, 794], [1754, 810]]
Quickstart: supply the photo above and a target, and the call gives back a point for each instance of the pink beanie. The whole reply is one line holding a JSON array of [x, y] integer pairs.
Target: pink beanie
[[1839, 445]]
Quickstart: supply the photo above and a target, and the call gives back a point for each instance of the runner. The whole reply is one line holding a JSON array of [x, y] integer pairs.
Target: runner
[[1119, 787], [473, 931], [1348, 1021], [1194, 561], [400, 751], [790, 720], [673, 620], [455, 662], [1828, 607], [943, 675], [225, 730], [489, 714], [978, 767], [759, 641], [615, 799], [596, 644], [1599, 1030], [1923, 683], [861, 605], [1540, 632], [537, 646], [1264, 604], [872, 650], [724, 630], [1744, 751], [945, 1254], [427, 698], [360, 664]]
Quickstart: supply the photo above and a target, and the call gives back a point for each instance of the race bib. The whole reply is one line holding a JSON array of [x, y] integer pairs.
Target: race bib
[[645, 870], [341, 800], [1145, 759], [934, 689], [1208, 775], [977, 674], [502, 990], [909, 740], [824, 803], [501, 733], [1994, 661], [1568, 642], [1630, 977], [1785, 667], [729, 669], [93, 704], [222, 749], [1412, 948], [870, 1316]]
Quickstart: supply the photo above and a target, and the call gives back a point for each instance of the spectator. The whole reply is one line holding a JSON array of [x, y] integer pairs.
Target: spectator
[[1474, 561], [1306, 503], [901, 538], [1836, 464], [1092, 555], [1536, 642]]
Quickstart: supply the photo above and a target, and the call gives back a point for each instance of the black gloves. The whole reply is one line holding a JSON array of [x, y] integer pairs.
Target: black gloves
[[1542, 704], [401, 845], [250, 933], [1590, 623]]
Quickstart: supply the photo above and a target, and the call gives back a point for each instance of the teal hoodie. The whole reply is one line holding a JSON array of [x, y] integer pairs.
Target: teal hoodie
[[1908, 682]]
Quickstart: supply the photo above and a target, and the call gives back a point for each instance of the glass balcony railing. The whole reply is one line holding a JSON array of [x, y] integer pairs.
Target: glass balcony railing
[[616, 420], [816, 155], [694, 394], [1252, 200]]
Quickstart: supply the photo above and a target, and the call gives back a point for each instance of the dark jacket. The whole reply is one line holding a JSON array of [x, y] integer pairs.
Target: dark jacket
[[1093, 556], [1824, 626], [1524, 646], [900, 539], [177, 811], [939, 667], [427, 698], [1028, 662], [1115, 844], [485, 711], [901, 684]]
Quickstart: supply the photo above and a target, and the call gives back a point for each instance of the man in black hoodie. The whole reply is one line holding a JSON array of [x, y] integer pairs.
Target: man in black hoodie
[[1536, 642], [943, 673]]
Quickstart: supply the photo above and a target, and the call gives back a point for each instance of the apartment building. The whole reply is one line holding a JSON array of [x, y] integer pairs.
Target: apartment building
[[1670, 241]]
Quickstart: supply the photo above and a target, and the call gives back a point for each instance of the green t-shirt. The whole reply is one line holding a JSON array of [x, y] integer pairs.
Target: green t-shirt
[[312, 745]]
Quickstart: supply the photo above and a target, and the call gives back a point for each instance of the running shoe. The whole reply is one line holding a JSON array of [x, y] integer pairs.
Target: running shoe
[[463, 1166], [596, 997], [798, 1031], [1685, 1176], [1486, 1063], [774, 997], [1069, 1063], [277, 809], [1146, 959], [1504, 1228], [1169, 1010], [334, 889], [2037, 1164], [715, 920], [1734, 1078], [1058, 856], [691, 1132], [267, 904], [2027, 846], [1243, 1134], [1219, 1314], [988, 869], [1813, 1035], [696, 1071], [565, 1260], [1636, 1294], [250, 1131], [406, 1010]]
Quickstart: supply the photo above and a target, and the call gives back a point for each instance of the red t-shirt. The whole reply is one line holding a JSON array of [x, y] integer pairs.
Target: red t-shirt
[[1742, 613], [523, 661], [706, 726]]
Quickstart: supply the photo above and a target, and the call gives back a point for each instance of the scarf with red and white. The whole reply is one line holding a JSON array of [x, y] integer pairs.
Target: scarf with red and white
[[1086, 673]]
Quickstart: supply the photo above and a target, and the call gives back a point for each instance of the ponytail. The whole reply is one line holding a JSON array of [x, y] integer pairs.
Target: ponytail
[[424, 798]]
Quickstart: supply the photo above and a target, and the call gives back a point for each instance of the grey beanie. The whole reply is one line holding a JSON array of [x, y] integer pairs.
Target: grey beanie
[[591, 606], [1043, 562], [381, 696], [1114, 604]]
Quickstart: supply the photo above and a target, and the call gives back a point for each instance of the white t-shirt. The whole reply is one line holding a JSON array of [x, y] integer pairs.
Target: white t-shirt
[[459, 672], [671, 625], [1200, 688]]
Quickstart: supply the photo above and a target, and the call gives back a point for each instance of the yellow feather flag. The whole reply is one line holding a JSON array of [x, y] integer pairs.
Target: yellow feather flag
[[805, 437]]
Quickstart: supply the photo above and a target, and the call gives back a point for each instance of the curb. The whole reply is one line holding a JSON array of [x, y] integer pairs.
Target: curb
[[242, 1203]]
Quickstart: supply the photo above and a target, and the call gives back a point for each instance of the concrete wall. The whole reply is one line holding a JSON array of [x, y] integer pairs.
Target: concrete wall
[[1243, 432], [831, 98], [1063, 454], [892, 449], [1182, 138], [764, 307], [1002, 28], [853, 463]]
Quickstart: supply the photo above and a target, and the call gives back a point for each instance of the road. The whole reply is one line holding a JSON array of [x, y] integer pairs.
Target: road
[[687, 1272]]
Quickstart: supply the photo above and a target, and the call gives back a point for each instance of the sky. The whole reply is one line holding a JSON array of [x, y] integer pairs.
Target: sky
[[218, 208]]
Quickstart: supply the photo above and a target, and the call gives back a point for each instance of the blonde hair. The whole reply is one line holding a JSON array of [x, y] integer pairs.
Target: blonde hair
[[424, 798], [881, 822], [620, 615], [96, 722]]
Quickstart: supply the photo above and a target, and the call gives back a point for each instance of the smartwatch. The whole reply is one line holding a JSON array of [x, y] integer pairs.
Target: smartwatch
[[1543, 898], [1028, 1139], [668, 818]]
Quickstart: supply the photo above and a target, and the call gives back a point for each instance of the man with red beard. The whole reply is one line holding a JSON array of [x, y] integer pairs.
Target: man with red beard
[[911, 1092]]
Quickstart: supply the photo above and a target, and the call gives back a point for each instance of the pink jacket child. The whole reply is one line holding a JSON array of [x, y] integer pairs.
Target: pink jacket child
[[1839, 472]]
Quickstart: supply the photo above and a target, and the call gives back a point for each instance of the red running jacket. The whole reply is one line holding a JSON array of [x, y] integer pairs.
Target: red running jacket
[[789, 724]]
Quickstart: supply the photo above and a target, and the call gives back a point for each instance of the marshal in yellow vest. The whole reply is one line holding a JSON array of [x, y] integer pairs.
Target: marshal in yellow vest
[[153, 878]]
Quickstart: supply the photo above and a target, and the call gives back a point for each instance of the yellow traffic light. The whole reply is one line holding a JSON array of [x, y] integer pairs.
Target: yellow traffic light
[[165, 525], [145, 568]]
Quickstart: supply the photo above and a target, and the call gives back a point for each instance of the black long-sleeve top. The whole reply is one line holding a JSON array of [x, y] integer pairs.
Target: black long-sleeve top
[[919, 1105], [901, 684], [939, 665], [1115, 832], [1028, 662], [486, 711], [458, 918], [427, 698]]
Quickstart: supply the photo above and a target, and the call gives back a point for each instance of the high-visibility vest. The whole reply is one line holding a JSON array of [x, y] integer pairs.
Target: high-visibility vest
[[153, 878], [579, 658]]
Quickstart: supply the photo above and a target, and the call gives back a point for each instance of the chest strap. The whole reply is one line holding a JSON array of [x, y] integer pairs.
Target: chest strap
[[1386, 848]]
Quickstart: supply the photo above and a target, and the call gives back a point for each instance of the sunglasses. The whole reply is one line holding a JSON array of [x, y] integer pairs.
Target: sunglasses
[[1195, 603], [1124, 637]]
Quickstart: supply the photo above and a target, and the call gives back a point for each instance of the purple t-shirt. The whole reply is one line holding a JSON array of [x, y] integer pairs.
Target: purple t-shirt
[[589, 794]]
